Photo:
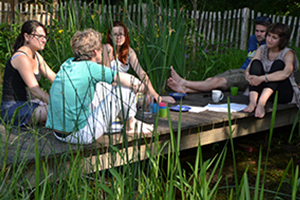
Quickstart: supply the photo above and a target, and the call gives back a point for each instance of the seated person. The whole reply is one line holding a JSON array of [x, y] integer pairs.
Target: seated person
[[72, 114], [230, 78], [21, 91], [126, 57], [272, 69]]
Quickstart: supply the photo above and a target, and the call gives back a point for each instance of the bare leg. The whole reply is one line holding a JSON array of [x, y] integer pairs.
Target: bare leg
[[137, 127], [198, 86], [260, 108], [252, 104]]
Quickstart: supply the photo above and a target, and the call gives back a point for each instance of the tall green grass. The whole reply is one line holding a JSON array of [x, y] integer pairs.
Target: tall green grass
[[159, 43]]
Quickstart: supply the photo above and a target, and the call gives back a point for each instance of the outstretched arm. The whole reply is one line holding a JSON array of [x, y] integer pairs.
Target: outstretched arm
[[142, 74]]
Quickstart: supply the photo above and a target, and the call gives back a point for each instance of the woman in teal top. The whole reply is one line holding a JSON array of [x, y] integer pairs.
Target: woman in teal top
[[73, 114]]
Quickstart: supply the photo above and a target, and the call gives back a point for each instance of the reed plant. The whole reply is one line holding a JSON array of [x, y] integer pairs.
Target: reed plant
[[159, 43]]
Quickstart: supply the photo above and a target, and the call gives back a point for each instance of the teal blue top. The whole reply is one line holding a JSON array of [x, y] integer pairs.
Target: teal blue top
[[72, 91]]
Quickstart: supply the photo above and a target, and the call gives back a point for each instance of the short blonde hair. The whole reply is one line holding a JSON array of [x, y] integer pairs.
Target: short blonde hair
[[84, 43]]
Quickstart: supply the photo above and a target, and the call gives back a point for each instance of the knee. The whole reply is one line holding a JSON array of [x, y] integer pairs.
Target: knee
[[256, 67], [219, 82], [277, 66]]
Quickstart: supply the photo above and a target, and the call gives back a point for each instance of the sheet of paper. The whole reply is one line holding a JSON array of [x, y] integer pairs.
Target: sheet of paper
[[197, 109], [235, 107]]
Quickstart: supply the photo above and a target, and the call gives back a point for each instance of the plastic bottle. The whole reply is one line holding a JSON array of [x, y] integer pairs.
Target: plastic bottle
[[162, 109]]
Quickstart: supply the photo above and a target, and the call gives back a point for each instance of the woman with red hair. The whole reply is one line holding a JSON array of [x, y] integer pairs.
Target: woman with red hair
[[118, 37]]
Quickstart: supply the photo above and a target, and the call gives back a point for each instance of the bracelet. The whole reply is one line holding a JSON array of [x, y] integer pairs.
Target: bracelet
[[267, 80]]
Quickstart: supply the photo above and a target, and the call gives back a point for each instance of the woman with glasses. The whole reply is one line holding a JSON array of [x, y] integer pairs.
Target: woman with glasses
[[23, 101], [125, 55], [272, 70]]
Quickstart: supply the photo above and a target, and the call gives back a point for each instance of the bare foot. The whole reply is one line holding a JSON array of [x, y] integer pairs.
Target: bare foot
[[175, 76], [250, 108], [137, 127], [175, 85], [260, 111]]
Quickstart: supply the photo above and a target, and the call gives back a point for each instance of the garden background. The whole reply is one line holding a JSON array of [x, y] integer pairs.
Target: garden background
[[161, 39]]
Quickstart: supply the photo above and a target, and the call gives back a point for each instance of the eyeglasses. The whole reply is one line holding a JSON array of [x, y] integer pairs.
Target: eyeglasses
[[119, 34], [40, 37], [265, 19]]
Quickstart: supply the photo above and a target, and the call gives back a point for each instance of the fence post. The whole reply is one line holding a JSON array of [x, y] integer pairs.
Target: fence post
[[244, 28]]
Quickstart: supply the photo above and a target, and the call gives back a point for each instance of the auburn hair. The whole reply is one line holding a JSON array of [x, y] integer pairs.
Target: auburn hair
[[124, 49]]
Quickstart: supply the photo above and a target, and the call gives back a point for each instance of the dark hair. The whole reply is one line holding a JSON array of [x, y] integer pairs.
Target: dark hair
[[123, 52], [283, 31], [28, 27], [264, 21]]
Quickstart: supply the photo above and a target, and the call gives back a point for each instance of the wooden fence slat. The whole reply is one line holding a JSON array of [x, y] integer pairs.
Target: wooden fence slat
[[298, 34], [232, 29], [219, 31], [6, 8], [252, 23], [244, 27], [283, 19], [223, 28], [196, 28], [237, 28], [30, 12], [200, 25], [213, 28], [293, 27], [1, 11], [228, 27]]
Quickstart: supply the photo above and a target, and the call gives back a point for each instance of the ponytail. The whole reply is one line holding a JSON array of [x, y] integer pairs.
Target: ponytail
[[19, 42]]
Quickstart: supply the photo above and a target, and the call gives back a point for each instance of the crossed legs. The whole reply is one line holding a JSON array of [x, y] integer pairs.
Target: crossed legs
[[178, 84]]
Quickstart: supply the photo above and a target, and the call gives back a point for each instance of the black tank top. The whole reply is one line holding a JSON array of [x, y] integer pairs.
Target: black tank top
[[14, 88]]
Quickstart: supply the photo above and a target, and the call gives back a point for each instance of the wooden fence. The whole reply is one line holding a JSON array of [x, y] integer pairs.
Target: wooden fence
[[230, 28]]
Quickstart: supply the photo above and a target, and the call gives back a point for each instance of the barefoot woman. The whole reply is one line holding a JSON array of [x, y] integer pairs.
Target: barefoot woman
[[272, 69]]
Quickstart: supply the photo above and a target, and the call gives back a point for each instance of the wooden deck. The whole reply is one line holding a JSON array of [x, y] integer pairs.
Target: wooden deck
[[208, 127]]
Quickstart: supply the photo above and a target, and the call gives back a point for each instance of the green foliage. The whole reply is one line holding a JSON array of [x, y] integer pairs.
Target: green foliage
[[159, 43]]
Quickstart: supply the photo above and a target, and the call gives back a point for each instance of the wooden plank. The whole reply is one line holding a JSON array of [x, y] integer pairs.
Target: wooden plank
[[207, 127]]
